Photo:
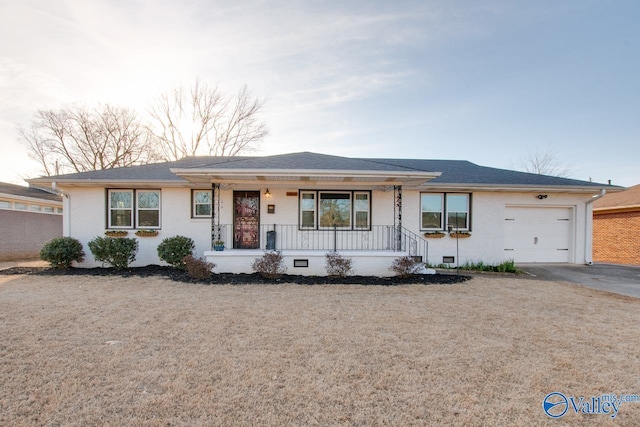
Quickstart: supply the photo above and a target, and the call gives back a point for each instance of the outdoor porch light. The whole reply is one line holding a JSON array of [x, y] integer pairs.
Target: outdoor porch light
[[267, 194]]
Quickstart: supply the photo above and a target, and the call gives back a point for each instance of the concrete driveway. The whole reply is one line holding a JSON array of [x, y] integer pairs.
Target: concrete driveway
[[620, 279]]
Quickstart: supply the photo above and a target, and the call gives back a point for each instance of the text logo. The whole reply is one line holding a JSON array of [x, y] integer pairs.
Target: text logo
[[555, 404]]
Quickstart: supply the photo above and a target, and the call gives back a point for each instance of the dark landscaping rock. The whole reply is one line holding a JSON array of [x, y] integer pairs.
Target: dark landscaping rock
[[240, 279]]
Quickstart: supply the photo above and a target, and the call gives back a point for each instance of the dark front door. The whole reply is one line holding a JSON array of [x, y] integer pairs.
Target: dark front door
[[246, 219]]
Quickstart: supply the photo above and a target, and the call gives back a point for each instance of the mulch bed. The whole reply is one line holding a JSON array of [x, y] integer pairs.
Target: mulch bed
[[240, 279]]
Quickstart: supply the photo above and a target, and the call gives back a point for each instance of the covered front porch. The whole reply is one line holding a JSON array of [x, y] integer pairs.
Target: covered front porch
[[305, 206]]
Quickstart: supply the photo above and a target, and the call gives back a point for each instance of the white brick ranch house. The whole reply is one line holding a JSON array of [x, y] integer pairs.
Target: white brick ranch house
[[306, 204]]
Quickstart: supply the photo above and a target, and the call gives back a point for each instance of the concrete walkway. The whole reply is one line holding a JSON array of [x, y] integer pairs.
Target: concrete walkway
[[620, 279]]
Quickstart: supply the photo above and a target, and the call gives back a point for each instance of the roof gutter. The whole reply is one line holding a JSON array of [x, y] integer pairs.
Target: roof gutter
[[588, 221]]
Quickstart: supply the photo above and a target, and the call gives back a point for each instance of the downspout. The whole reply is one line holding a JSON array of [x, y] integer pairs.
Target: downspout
[[66, 210], [588, 218]]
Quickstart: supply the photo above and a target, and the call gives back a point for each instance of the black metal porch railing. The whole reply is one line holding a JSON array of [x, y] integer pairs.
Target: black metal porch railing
[[291, 237]]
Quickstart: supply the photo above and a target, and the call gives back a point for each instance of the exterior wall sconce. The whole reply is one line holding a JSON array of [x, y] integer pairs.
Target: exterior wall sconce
[[540, 196], [267, 194]]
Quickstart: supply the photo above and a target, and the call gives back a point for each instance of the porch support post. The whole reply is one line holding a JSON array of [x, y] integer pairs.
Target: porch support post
[[215, 213], [397, 215]]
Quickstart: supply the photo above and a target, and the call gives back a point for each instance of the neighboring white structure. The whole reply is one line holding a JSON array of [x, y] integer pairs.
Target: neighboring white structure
[[307, 204]]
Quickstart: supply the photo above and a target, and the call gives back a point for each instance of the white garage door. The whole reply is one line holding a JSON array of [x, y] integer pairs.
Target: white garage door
[[538, 234]]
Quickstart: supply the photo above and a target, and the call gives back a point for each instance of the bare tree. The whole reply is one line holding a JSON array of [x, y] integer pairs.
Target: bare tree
[[76, 139], [544, 163], [202, 120]]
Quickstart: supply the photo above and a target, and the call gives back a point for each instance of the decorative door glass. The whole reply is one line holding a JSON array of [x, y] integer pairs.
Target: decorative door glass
[[246, 220]]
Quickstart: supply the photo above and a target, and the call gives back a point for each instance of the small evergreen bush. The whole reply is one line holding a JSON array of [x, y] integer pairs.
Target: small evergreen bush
[[172, 250], [60, 252], [337, 265], [198, 268], [405, 266], [117, 252], [271, 265]]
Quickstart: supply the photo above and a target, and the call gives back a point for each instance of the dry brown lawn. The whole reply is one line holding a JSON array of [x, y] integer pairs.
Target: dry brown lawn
[[87, 351]]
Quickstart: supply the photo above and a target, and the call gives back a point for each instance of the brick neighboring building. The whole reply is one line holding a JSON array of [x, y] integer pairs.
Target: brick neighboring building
[[616, 227], [29, 217]]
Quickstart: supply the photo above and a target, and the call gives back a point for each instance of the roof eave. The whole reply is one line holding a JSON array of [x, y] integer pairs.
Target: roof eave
[[30, 199], [153, 183], [304, 175], [617, 209], [519, 187]]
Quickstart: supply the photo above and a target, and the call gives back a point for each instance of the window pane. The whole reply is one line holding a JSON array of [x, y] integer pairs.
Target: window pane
[[203, 197], [361, 208], [48, 209], [148, 200], [431, 208], [149, 218], [121, 218], [5, 205], [203, 210], [308, 219], [457, 202], [431, 203], [362, 202], [458, 219], [431, 220], [362, 219], [335, 209], [308, 204], [121, 199], [202, 203], [20, 206]]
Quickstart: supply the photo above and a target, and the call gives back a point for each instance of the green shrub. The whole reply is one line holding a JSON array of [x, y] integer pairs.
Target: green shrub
[[405, 266], [198, 268], [62, 251], [117, 252], [271, 265], [337, 265], [507, 267], [503, 267], [172, 250]]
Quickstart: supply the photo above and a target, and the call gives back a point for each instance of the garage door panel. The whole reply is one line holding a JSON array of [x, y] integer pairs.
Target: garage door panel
[[538, 234]]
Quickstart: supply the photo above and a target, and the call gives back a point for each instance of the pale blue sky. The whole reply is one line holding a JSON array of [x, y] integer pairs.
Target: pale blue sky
[[484, 81]]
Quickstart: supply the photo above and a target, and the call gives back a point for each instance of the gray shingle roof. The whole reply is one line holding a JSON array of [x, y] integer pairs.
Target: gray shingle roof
[[465, 172], [34, 193], [453, 171]]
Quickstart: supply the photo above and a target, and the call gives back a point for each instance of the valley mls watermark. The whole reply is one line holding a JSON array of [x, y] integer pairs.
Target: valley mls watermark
[[556, 404]]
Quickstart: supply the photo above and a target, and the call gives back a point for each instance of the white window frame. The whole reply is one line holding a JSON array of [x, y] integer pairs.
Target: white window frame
[[467, 212], [110, 208], [135, 209], [353, 209], [315, 210], [194, 205], [445, 211], [139, 209], [442, 203], [356, 210]]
